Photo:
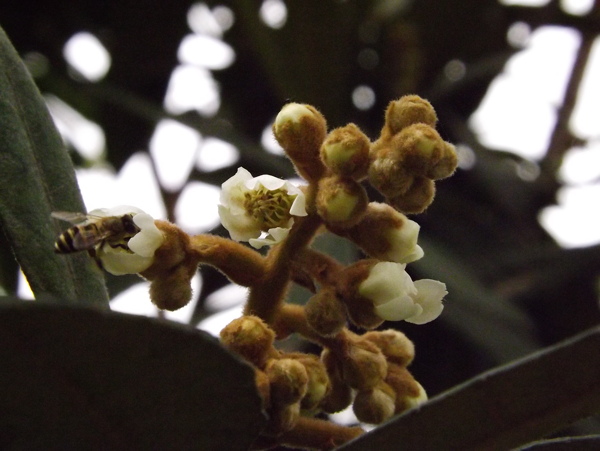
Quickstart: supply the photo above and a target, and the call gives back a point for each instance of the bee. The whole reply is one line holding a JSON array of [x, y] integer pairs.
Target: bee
[[112, 230]]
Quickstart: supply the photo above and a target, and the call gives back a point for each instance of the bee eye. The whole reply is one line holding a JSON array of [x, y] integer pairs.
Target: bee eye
[[130, 226]]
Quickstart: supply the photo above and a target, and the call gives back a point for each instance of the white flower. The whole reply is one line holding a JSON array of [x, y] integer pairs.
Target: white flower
[[396, 297], [403, 243], [260, 209], [129, 254]]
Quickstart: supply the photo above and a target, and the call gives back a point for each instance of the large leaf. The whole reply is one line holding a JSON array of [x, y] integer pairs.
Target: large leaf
[[505, 407], [78, 378], [36, 178]]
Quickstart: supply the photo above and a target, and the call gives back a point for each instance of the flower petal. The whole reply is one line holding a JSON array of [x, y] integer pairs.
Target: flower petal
[[232, 189], [268, 181], [274, 236], [118, 261], [148, 239], [398, 309], [241, 227], [429, 297], [386, 281]]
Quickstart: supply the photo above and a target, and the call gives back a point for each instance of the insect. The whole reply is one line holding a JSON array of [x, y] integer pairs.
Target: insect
[[112, 230]]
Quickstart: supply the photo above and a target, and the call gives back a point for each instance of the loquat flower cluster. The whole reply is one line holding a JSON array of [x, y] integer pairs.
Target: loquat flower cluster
[[367, 371]]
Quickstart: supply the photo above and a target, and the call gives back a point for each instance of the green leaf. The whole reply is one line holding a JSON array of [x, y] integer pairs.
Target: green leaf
[[125, 382], [505, 407], [36, 178]]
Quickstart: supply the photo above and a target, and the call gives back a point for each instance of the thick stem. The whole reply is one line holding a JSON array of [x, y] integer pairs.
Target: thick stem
[[239, 263], [267, 296]]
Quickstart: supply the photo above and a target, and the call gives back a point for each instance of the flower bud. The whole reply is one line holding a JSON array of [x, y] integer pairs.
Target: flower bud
[[300, 130], [346, 152], [386, 234], [251, 338], [325, 313], [409, 393], [417, 198], [408, 110], [173, 291], [318, 381], [364, 366], [376, 405], [289, 381], [446, 166], [393, 344], [341, 202], [419, 147], [386, 172]]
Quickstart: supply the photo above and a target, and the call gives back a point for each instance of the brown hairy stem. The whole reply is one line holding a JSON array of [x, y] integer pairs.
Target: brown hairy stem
[[239, 263]]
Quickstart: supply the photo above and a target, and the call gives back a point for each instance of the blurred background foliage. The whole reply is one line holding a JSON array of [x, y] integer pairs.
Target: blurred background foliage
[[512, 288]]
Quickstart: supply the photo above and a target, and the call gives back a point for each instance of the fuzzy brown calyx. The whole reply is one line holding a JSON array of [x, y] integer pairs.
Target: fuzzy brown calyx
[[360, 309], [346, 152], [172, 269], [385, 234], [376, 405], [364, 366], [300, 129], [416, 199], [409, 393], [394, 344], [288, 380]]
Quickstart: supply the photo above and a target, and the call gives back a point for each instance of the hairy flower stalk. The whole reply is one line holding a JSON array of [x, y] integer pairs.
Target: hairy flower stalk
[[368, 370]]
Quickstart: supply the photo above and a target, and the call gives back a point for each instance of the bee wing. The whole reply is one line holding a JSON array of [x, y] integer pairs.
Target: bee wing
[[70, 216]]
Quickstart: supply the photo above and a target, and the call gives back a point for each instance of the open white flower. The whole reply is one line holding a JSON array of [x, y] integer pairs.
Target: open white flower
[[396, 297], [126, 252], [260, 209]]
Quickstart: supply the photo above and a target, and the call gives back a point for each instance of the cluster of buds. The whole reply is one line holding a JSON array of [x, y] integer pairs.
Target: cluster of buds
[[366, 371]]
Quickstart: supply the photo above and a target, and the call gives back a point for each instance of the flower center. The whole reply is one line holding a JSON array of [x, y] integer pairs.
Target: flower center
[[270, 208]]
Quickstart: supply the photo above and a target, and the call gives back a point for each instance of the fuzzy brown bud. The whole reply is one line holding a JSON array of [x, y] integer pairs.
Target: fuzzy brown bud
[[289, 381], [376, 405], [364, 366], [386, 172], [408, 110], [300, 130], [409, 393], [346, 152], [419, 147], [325, 313], [251, 338], [318, 381], [446, 166], [418, 197], [341, 201], [393, 344]]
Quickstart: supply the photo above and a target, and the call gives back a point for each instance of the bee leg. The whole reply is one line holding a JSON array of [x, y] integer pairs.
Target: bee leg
[[92, 253]]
